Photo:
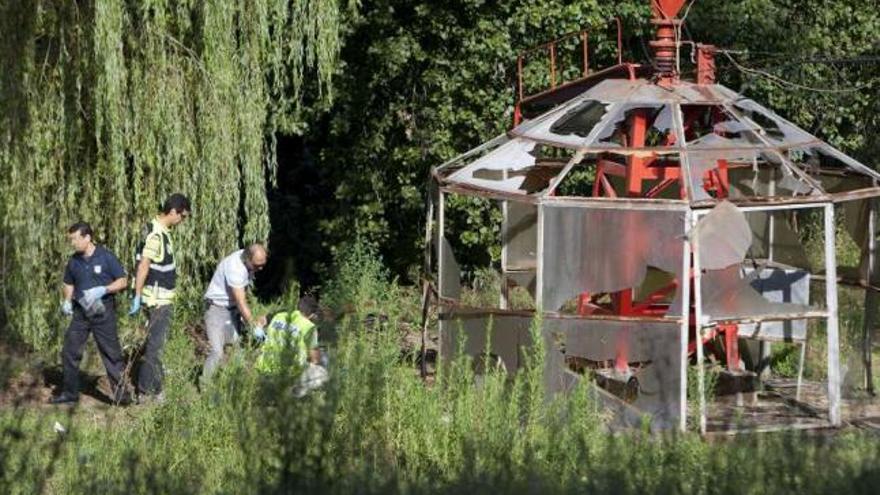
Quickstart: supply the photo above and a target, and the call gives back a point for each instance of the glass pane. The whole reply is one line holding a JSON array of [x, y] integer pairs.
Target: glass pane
[[596, 250]]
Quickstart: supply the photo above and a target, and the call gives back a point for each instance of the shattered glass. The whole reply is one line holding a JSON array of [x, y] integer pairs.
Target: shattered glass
[[659, 125], [729, 295], [829, 166], [580, 120], [712, 126], [782, 245], [569, 125], [779, 285], [506, 334], [724, 237], [604, 250], [512, 168], [526, 280], [749, 174], [777, 130], [652, 350]]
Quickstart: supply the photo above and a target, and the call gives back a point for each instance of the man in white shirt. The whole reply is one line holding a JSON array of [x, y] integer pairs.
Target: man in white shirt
[[227, 302]]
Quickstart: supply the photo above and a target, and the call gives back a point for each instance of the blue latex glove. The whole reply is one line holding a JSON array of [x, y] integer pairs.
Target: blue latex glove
[[67, 308], [135, 305], [93, 294], [259, 334]]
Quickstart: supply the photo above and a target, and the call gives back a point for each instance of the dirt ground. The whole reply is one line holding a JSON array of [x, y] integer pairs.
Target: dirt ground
[[28, 380]]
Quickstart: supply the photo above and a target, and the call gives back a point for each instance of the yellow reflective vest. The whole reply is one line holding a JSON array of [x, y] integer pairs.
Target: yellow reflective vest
[[289, 337]]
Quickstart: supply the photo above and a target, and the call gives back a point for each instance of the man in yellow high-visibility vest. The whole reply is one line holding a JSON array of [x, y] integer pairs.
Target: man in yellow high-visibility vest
[[154, 285], [291, 351]]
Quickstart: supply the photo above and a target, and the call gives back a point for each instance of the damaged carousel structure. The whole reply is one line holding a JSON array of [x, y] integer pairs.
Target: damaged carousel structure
[[668, 232]]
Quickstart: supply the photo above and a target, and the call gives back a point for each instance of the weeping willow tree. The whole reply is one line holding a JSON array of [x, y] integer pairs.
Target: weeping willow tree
[[108, 106]]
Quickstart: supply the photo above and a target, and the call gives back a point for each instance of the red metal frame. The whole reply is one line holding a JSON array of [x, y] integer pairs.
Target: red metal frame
[[550, 48], [644, 176]]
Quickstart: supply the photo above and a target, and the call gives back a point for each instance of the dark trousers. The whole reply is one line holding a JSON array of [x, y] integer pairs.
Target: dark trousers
[[103, 327], [151, 374]]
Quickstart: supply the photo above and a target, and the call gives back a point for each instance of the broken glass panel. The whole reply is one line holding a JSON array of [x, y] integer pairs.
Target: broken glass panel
[[605, 250], [777, 130], [571, 125], [651, 351], [525, 280], [580, 120], [705, 170], [729, 295], [724, 237], [712, 126], [511, 168], [779, 285], [506, 334], [836, 171], [658, 124], [779, 245], [475, 153], [747, 174]]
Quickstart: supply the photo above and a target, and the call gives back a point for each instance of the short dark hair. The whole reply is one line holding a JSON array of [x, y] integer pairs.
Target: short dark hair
[[83, 228], [177, 202]]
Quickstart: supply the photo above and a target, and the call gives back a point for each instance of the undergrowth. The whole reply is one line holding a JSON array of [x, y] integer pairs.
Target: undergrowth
[[378, 428]]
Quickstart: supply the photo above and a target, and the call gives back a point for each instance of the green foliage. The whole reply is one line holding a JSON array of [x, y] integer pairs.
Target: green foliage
[[425, 81], [813, 44], [422, 82], [362, 285], [377, 428], [106, 107]]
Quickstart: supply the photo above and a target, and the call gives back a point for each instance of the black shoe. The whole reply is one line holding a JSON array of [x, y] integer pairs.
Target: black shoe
[[123, 400], [64, 398]]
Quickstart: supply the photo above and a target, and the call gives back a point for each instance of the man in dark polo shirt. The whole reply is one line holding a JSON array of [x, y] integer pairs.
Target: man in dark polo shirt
[[93, 274]]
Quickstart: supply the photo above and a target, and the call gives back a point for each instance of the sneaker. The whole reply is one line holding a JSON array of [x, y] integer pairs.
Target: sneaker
[[64, 398]]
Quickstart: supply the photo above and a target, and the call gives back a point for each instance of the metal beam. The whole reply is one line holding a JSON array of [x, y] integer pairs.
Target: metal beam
[[698, 317], [685, 288], [832, 326]]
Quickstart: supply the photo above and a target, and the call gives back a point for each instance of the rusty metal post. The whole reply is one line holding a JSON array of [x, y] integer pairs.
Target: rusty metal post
[[517, 109], [705, 64], [586, 54], [619, 41]]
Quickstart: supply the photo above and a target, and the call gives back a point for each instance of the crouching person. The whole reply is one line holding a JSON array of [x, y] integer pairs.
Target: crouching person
[[227, 307], [290, 353], [93, 274]]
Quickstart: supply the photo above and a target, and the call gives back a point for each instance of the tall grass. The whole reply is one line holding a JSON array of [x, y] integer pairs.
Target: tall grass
[[378, 428]]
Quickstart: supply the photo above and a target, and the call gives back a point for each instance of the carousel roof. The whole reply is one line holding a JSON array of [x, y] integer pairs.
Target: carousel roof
[[691, 124]]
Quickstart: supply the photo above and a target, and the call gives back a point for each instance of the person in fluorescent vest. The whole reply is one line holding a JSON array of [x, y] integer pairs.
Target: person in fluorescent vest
[[291, 351], [154, 286]]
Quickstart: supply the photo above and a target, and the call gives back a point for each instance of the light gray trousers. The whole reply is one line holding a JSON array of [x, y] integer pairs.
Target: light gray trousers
[[222, 325]]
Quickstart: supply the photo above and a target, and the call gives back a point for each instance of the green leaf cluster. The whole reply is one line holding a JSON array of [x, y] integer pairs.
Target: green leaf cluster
[[106, 107], [421, 82]]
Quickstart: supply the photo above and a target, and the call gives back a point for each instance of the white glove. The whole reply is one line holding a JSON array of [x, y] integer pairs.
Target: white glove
[[67, 308], [93, 294]]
